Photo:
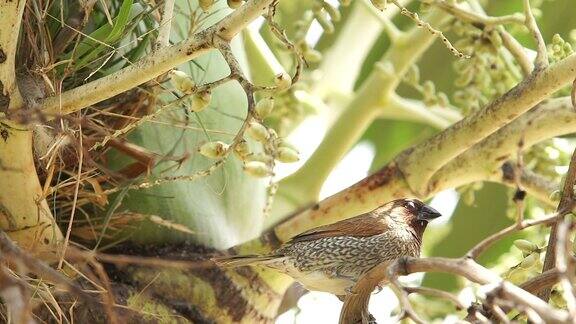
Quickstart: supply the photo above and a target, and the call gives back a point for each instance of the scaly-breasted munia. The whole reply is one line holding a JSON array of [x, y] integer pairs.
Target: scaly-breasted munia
[[332, 258]]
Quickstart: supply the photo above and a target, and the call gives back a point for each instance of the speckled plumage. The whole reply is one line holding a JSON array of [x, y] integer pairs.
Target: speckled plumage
[[343, 257], [332, 258]]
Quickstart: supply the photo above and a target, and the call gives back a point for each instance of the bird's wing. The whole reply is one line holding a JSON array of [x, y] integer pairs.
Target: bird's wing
[[359, 226]]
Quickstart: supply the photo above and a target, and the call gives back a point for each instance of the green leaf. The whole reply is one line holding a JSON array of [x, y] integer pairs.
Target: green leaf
[[102, 38]]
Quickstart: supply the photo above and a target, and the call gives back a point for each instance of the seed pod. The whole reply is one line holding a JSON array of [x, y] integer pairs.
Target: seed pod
[[525, 246], [201, 100], [281, 142], [312, 56], [242, 150], [234, 4], [273, 134], [260, 157], [258, 132], [529, 261], [213, 150], [282, 81], [257, 169], [264, 107], [205, 4], [287, 155], [379, 4], [182, 81]]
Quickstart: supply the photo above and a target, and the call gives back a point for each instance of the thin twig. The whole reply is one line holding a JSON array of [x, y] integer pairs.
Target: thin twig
[[562, 265], [437, 293], [566, 205], [75, 199], [473, 17], [517, 50], [541, 61], [13, 253], [163, 39], [483, 245]]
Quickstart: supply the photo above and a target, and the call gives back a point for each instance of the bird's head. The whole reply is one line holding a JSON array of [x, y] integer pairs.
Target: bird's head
[[411, 212]]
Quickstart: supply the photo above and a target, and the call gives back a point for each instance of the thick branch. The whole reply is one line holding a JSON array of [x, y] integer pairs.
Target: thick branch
[[420, 163], [483, 162]]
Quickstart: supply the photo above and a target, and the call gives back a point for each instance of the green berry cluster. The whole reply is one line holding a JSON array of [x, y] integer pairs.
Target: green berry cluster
[[430, 97], [487, 75]]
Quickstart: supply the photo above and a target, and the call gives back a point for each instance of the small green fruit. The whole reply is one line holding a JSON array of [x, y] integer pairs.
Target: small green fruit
[[213, 150]]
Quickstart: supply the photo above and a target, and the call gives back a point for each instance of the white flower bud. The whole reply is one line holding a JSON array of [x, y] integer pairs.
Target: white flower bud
[[213, 150], [182, 81], [258, 132], [242, 149], [313, 56], [201, 100], [234, 4], [257, 169], [260, 157], [264, 107], [529, 261], [287, 155], [379, 4], [205, 4], [283, 81], [525, 246], [281, 142]]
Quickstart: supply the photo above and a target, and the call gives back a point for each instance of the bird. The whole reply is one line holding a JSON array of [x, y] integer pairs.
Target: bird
[[331, 258]]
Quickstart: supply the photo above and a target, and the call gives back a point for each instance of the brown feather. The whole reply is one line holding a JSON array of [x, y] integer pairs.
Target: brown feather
[[363, 225]]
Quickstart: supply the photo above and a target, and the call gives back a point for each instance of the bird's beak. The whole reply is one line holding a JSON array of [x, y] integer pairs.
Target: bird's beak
[[428, 213]]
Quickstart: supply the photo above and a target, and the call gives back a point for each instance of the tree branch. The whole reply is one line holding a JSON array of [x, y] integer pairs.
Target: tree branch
[[473, 17], [541, 51], [499, 292], [154, 64], [420, 163], [483, 162], [11, 13]]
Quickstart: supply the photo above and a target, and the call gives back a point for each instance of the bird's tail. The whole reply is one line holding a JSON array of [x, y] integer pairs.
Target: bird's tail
[[242, 260]]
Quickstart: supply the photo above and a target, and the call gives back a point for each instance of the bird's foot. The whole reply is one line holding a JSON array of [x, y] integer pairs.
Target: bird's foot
[[371, 319], [350, 291]]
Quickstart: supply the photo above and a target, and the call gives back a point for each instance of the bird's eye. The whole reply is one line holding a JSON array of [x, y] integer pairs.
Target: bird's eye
[[410, 205]]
